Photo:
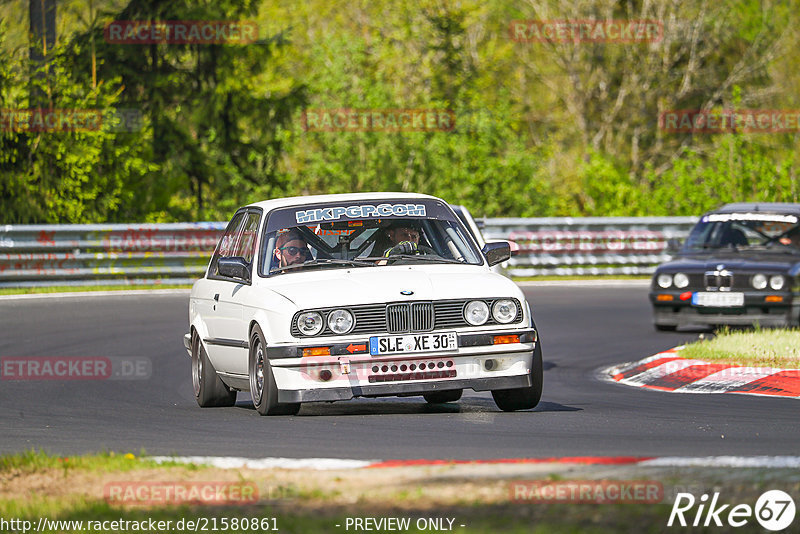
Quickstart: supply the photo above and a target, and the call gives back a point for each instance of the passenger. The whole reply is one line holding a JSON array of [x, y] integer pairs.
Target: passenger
[[291, 248]]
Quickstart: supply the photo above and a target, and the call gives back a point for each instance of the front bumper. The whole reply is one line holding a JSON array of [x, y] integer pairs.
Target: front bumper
[[475, 365], [755, 310]]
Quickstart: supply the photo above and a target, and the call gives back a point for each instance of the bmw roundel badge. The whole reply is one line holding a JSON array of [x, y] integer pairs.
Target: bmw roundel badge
[[406, 292]]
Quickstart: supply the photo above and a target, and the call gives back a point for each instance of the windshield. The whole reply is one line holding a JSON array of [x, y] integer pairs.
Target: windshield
[[364, 235], [737, 231]]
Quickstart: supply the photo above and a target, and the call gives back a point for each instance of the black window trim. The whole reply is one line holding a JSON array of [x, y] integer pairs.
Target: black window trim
[[256, 247]]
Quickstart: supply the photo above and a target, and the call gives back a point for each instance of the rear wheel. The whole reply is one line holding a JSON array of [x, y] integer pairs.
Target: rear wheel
[[510, 400], [209, 390], [440, 397], [262, 383]]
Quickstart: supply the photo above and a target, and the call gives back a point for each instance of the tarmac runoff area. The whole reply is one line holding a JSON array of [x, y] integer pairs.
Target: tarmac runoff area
[[668, 371]]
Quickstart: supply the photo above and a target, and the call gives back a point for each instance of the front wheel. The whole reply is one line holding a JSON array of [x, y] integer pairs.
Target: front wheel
[[262, 383], [209, 390], [510, 400]]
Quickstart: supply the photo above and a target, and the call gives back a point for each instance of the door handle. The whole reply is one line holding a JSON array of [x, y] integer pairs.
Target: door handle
[[216, 297]]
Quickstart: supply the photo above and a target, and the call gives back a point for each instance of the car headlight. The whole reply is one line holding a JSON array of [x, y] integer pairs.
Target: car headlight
[[759, 281], [309, 323], [664, 280], [476, 312], [504, 311], [340, 321], [680, 280], [776, 282]]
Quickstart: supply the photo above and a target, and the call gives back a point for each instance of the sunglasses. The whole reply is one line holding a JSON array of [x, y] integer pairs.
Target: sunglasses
[[294, 251]]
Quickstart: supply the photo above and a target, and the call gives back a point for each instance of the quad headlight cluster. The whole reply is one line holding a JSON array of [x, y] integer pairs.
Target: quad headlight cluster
[[311, 323], [340, 321], [760, 281], [504, 311], [665, 280]]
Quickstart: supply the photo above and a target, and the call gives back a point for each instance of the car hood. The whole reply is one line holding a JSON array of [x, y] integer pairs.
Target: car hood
[[773, 262], [343, 287]]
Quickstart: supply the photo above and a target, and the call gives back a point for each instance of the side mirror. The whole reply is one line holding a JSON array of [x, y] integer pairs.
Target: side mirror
[[233, 267], [496, 252]]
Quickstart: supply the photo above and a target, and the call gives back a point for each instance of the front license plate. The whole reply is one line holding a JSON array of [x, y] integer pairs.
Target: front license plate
[[718, 300], [412, 343]]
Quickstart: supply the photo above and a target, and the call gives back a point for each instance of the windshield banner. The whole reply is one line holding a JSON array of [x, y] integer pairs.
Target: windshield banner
[[359, 212]]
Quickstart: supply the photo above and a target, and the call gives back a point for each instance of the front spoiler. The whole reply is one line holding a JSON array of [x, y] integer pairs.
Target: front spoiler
[[688, 316], [418, 388]]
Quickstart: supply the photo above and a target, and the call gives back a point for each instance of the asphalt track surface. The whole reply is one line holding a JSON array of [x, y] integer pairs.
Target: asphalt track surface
[[583, 329]]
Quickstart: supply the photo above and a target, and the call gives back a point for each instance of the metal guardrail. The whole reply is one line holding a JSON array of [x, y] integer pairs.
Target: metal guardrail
[[100, 254], [564, 246]]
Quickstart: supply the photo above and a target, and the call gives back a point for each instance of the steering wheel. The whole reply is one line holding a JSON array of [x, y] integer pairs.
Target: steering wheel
[[408, 247]]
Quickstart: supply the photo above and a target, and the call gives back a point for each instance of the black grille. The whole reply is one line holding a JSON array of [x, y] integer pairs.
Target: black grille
[[720, 280], [413, 317], [422, 316], [400, 317]]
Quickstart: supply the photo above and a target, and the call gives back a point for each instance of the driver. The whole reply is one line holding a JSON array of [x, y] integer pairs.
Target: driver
[[291, 248], [403, 238]]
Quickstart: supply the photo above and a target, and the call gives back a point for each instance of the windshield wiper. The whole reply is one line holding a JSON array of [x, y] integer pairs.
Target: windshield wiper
[[436, 259], [324, 262]]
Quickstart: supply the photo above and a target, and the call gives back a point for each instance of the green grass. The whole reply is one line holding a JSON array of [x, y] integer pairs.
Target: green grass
[[763, 348], [296, 510], [71, 289], [33, 461]]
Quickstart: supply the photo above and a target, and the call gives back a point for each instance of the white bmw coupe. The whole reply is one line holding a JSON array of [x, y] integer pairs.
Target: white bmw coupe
[[326, 298]]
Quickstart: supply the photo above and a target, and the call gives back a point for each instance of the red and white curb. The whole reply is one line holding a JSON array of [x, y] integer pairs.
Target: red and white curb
[[667, 371], [226, 462]]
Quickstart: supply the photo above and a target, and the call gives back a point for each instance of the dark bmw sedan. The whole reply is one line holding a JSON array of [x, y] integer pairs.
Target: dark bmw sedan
[[740, 265]]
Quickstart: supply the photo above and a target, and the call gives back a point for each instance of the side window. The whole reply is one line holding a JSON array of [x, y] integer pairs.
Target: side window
[[246, 237], [227, 243]]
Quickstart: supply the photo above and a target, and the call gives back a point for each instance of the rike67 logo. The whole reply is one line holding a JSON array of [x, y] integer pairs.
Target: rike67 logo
[[774, 510]]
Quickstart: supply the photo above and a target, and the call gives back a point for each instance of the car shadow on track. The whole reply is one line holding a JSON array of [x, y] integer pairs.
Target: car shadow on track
[[408, 406]]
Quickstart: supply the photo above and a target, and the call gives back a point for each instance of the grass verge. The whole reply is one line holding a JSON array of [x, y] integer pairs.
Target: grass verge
[[73, 289], [38, 461], [762, 348], [34, 488]]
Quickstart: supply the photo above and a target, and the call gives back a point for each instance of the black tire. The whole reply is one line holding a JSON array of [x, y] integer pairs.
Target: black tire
[[209, 390], [440, 397], [665, 327], [262, 383], [511, 400]]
